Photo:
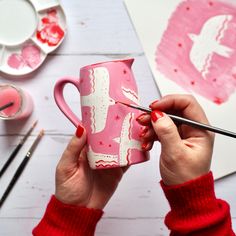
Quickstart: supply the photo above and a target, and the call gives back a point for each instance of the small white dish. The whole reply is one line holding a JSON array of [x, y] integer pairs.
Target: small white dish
[[29, 30]]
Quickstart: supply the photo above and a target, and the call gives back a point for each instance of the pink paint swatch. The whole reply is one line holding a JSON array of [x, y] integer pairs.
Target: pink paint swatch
[[30, 56], [198, 49], [50, 33], [16, 61]]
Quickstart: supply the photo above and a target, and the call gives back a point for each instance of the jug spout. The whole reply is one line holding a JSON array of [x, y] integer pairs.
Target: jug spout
[[129, 62]]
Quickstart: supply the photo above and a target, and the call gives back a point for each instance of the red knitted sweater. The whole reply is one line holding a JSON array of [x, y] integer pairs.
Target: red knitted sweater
[[67, 220], [195, 211]]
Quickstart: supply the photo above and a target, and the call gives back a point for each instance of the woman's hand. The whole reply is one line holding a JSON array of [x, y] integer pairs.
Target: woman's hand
[[186, 152], [79, 185]]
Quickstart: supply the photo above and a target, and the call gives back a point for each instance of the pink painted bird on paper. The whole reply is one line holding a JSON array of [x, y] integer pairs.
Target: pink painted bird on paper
[[197, 50], [208, 42]]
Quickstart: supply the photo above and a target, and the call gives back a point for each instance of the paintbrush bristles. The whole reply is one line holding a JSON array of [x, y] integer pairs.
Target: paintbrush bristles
[[42, 132], [135, 106], [29, 132], [35, 123]]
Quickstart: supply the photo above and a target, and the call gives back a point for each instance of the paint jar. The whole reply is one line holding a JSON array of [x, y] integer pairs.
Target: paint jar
[[22, 106]]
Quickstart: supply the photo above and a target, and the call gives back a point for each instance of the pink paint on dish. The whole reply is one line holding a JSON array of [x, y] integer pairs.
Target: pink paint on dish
[[16, 61], [198, 49], [29, 56], [50, 33]]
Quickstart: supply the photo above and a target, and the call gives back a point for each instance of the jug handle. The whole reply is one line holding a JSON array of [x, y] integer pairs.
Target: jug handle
[[60, 100]]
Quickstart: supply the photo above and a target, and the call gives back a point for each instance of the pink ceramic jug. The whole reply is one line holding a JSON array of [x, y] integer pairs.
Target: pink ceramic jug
[[112, 130]]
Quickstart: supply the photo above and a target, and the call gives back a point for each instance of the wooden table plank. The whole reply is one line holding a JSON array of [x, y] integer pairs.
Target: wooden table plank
[[98, 27]]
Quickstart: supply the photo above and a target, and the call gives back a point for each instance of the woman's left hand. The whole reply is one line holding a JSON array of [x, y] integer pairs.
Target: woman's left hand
[[78, 184]]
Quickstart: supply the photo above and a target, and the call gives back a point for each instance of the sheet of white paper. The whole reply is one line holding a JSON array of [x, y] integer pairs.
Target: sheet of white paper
[[191, 48]]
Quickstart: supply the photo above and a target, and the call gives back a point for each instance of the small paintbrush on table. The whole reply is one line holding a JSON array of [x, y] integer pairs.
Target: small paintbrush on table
[[16, 150], [21, 167], [185, 121]]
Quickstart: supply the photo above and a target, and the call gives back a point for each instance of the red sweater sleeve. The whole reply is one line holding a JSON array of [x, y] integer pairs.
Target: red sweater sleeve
[[67, 220], [195, 210]]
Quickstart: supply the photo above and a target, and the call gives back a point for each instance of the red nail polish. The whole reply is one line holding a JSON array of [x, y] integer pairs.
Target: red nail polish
[[153, 103], [140, 116], [79, 131], [143, 132], [144, 146], [155, 115]]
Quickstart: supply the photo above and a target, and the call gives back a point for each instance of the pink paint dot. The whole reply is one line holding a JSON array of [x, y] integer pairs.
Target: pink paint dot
[[124, 71], [109, 145], [117, 117], [175, 70], [86, 113], [100, 143], [218, 100], [211, 3], [179, 45], [187, 8], [45, 20], [214, 80], [192, 82]]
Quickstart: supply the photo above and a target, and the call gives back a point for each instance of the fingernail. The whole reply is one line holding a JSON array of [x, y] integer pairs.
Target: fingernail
[[144, 146], [140, 117], [143, 132], [79, 131], [155, 115], [153, 103]]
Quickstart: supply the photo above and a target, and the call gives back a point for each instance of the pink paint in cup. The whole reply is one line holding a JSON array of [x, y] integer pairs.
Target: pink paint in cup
[[22, 103], [113, 134]]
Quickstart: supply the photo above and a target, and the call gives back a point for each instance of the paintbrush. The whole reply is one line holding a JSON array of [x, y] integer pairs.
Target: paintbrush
[[16, 150], [6, 106], [21, 168], [185, 121]]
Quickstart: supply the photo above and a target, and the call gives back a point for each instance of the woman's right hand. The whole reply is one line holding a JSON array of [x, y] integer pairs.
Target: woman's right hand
[[186, 152]]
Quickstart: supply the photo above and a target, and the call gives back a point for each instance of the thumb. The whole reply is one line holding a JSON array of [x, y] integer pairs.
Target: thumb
[[72, 152], [165, 129]]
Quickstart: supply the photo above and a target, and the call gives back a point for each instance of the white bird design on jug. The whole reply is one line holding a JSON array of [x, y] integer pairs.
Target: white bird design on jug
[[99, 100], [125, 140]]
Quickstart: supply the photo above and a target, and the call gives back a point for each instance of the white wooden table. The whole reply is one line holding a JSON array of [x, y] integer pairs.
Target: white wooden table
[[97, 31]]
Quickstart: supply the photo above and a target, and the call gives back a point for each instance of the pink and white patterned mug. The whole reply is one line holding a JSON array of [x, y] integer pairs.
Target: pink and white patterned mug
[[112, 130]]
